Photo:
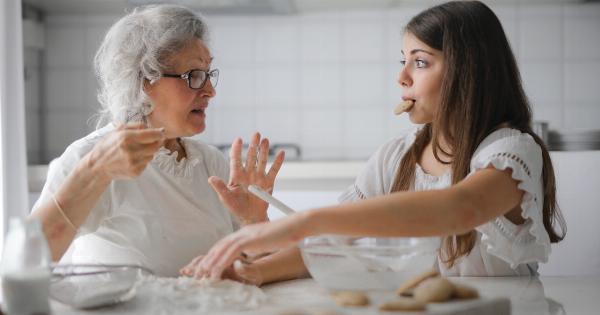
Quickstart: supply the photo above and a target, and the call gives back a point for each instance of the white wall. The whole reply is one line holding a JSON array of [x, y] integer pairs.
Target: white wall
[[33, 110], [327, 80]]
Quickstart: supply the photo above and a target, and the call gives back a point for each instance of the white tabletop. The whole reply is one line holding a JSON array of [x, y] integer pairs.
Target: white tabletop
[[543, 295]]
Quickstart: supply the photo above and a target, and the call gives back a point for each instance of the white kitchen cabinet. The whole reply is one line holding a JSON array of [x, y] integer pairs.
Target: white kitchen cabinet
[[309, 185], [301, 200]]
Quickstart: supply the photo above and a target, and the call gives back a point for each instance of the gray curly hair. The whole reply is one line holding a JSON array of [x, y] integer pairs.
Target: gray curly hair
[[136, 49]]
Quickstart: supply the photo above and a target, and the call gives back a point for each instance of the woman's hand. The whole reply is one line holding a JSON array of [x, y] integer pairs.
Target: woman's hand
[[125, 152], [241, 270], [252, 239], [235, 195]]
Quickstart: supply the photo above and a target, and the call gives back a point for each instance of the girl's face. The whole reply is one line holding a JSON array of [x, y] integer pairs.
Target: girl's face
[[421, 78], [178, 108]]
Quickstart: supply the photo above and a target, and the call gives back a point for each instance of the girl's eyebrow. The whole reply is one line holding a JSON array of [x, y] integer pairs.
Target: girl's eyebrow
[[414, 51]]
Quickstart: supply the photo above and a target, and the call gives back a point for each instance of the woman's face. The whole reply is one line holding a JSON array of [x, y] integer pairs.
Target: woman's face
[[178, 108], [421, 78]]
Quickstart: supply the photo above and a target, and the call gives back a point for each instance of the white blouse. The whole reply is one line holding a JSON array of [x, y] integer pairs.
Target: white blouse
[[160, 219], [502, 248]]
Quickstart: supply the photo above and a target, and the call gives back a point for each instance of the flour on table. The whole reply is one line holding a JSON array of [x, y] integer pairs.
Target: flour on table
[[178, 295]]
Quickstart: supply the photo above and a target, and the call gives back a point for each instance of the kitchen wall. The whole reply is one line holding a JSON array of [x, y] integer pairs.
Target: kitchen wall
[[325, 80]]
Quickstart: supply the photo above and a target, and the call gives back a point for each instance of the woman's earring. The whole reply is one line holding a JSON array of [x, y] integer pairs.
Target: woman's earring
[[147, 109]]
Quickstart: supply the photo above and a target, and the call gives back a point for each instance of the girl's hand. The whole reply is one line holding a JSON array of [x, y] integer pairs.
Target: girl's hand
[[235, 195], [252, 239], [126, 151]]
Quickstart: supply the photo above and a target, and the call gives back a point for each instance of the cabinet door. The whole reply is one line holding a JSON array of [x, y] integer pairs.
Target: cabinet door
[[301, 200], [577, 183]]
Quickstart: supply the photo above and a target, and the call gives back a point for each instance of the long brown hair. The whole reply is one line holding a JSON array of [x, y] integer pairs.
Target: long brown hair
[[481, 91]]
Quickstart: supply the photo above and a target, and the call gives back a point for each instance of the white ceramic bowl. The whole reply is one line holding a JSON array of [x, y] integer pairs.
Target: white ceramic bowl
[[367, 263]]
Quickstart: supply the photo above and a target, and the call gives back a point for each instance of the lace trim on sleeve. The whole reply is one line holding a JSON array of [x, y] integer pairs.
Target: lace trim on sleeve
[[359, 193], [353, 193], [515, 158], [524, 243]]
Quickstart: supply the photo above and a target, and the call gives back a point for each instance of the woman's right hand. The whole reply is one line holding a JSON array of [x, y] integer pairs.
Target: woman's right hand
[[126, 151]]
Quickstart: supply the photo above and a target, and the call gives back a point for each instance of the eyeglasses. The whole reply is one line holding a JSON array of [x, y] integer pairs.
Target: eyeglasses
[[197, 78]]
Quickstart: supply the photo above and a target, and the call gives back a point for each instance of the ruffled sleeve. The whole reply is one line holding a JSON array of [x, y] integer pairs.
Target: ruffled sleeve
[[528, 242], [377, 176]]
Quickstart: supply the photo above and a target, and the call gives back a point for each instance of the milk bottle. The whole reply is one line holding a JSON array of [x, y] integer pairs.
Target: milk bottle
[[25, 269]]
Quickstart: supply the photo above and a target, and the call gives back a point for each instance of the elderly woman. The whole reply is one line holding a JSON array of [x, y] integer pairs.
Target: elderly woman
[[137, 191]]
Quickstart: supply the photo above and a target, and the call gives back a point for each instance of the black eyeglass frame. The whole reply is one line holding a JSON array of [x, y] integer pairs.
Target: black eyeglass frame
[[214, 73]]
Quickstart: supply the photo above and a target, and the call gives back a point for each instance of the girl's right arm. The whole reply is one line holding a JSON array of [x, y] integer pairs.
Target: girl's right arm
[[123, 153]]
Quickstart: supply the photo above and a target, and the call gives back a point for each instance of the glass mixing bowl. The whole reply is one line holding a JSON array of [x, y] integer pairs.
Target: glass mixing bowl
[[85, 286], [367, 263]]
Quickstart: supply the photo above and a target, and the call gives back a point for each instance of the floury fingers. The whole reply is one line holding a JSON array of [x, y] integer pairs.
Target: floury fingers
[[404, 107]]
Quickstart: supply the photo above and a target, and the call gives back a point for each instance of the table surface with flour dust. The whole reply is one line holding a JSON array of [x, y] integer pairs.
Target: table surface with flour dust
[[527, 295]]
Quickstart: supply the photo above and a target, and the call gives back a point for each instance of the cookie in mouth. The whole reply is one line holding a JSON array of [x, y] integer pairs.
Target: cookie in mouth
[[404, 107]]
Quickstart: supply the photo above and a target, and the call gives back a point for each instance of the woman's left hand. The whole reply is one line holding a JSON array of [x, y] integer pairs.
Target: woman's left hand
[[253, 240], [241, 271], [235, 195]]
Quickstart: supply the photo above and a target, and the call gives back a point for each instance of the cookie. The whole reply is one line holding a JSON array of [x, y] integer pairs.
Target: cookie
[[402, 304], [407, 293], [404, 107], [464, 292], [350, 298], [406, 289], [434, 290]]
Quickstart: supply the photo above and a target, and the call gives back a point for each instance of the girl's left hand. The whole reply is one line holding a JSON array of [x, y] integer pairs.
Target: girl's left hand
[[235, 195], [252, 239]]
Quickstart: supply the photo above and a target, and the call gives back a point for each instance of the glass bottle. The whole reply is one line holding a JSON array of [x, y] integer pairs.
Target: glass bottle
[[25, 269]]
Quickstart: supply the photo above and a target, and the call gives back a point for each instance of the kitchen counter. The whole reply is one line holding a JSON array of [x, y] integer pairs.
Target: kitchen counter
[[543, 295], [318, 175], [293, 175], [337, 174]]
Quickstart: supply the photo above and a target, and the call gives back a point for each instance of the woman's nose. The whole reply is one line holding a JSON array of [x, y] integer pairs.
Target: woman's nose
[[208, 90]]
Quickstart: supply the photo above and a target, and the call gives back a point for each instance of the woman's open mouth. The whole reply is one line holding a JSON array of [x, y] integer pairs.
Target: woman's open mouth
[[199, 111]]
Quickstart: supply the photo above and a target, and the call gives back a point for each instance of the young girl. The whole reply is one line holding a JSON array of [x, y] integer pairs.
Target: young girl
[[473, 173]]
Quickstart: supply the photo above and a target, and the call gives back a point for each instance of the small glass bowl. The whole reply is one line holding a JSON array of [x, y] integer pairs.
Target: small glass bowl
[[367, 263], [86, 286]]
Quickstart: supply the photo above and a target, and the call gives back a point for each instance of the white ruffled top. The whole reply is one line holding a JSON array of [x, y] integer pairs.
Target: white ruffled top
[[167, 161], [502, 248], [160, 219]]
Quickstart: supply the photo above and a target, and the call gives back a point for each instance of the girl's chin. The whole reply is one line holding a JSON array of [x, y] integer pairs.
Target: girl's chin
[[418, 119]]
